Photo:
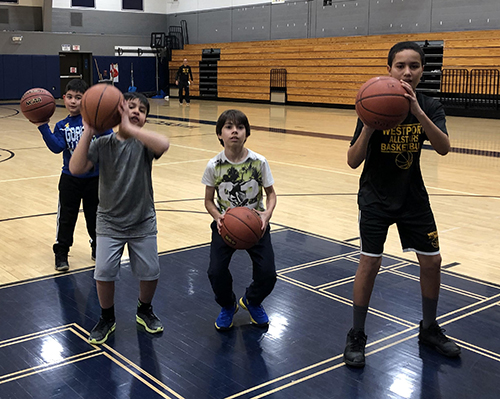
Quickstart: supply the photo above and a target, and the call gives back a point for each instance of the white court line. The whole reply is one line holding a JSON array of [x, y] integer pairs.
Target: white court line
[[181, 162], [28, 178]]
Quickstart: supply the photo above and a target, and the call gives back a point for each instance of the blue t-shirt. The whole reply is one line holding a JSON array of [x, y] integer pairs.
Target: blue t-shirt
[[65, 138]]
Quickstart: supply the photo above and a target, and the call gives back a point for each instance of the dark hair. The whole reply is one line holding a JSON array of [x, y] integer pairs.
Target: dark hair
[[141, 97], [232, 115], [78, 85], [405, 46]]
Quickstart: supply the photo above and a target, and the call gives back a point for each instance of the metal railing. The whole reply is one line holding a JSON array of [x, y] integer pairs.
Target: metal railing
[[474, 89]]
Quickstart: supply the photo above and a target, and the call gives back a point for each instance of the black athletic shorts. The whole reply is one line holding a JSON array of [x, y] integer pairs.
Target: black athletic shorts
[[417, 232]]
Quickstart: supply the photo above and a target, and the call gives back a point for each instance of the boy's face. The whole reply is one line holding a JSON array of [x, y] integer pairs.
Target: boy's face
[[233, 135], [136, 112], [407, 66], [72, 101]]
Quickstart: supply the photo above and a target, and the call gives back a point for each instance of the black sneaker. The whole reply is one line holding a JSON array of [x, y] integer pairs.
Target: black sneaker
[[62, 262], [149, 320], [101, 331], [435, 338], [354, 353]]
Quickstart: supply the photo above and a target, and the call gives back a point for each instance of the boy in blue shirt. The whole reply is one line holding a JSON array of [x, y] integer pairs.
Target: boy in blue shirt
[[238, 175], [73, 189]]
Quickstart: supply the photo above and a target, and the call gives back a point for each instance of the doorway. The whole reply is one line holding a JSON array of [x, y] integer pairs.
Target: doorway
[[75, 66]]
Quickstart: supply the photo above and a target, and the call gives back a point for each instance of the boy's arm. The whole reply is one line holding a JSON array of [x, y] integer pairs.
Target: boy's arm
[[79, 163], [154, 141], [211, 207], [55, 142], [439, 140], [271, 200], [357, 152]]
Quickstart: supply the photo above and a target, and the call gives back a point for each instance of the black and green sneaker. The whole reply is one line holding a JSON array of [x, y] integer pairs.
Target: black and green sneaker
[[101, 331], [149, 320]]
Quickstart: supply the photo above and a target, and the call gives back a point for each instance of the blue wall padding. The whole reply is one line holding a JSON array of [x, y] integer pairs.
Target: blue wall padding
[[19, 73]]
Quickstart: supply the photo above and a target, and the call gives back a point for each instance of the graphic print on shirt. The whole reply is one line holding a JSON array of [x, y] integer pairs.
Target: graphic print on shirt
[[404, 141], [238, 185], [72, 135]]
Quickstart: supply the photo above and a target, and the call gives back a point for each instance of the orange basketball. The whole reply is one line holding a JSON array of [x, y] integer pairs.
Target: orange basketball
[[100, 106], [381, 103], [241, 228], [38, 105]]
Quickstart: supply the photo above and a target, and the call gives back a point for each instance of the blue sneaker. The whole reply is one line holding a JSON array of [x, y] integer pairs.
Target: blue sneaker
[[225, 320], [258, 315]]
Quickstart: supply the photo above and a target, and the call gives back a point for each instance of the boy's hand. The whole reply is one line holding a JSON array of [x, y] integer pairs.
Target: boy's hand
[[88, 129], [265, 216], [414, 106], [38, 124], [125, 124], [219, 223]]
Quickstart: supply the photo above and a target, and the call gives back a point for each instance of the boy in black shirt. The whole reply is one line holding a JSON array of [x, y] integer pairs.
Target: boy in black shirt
[[391, 190]]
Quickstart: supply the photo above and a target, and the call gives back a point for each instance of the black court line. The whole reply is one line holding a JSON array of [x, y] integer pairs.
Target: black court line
[[458, 150], [469, 151]]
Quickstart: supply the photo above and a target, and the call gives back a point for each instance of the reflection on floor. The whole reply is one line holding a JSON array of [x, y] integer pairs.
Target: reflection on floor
[[45, 323]]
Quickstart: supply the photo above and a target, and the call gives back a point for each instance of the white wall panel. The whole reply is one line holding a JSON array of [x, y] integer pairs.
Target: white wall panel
[[150, 6]]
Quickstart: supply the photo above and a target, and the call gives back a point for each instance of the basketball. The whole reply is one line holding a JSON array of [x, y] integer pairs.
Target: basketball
[[241, 228], [100, 106], [38, 105], [381, 103]]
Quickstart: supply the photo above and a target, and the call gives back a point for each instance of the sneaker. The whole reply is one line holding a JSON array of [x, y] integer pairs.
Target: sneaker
[[225, 320], [149, 321], [354, 353], [101, 331], [62, 262], [258, 315], [435, 338]]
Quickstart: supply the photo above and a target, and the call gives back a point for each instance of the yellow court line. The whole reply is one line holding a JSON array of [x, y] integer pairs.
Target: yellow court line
[[135, 375], [93, 354], [471, 279], [27, 337], [478, 350], [46, 366], [130, 363], [442, 286], [314, 263]]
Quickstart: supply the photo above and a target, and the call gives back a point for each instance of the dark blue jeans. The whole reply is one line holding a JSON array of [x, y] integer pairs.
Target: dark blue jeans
[[264, 269]]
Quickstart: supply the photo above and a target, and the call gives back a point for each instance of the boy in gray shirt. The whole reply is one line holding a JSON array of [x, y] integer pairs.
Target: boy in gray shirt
[[126, 213]]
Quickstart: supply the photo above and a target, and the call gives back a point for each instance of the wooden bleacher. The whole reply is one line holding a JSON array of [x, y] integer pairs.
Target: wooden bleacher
[[327, 70]]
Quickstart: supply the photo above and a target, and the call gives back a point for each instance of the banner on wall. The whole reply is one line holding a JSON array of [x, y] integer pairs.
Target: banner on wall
[[113, 71]]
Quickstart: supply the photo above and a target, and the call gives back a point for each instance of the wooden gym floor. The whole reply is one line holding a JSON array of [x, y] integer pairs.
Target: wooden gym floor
[[46, 316]]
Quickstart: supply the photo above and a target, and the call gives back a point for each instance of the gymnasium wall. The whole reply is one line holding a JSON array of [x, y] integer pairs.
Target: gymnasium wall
[[297, 19], [107, 22]]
